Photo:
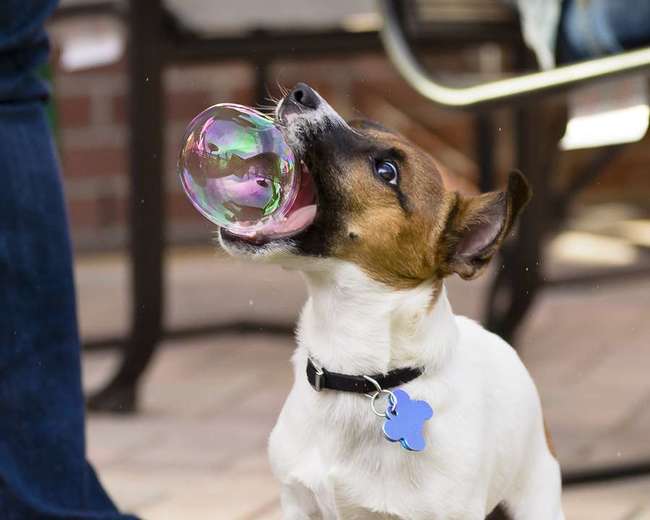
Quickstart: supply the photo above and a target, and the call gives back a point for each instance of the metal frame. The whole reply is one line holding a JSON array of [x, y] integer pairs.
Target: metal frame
[[504, 91], [521, 273]]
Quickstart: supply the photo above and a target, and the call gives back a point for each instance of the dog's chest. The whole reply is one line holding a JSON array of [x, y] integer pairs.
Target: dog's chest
[[335, 447]]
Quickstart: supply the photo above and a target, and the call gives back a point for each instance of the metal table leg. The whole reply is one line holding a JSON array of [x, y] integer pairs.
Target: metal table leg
[[485, 144], [147, 214], [537, 129]]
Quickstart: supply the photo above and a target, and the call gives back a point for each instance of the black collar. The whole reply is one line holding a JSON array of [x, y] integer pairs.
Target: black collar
[[320, 378]]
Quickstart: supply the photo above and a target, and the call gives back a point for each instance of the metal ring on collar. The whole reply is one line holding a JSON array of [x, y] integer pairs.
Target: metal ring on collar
[[392, 400]]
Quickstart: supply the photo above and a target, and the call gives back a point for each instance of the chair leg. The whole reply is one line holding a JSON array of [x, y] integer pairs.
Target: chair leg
[[485, 144], [147, 214], [513, 291], [516, 285]]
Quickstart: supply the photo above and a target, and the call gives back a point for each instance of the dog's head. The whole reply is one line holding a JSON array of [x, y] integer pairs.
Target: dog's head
[[381, 203]]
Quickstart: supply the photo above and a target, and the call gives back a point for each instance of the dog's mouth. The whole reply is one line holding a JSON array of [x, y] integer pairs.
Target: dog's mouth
[[303, 209], [299, 216]]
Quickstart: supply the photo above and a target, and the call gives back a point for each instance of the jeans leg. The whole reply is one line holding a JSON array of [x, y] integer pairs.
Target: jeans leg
[[43, 470]]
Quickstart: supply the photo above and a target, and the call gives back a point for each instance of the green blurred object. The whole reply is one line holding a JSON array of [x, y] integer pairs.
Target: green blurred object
[[45, 72]]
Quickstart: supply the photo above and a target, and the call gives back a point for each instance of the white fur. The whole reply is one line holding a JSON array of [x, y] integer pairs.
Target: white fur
[[485, 442]]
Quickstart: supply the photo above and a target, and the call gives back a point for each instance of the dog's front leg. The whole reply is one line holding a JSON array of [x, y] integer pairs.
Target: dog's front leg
[[539, 496], [299, 503]]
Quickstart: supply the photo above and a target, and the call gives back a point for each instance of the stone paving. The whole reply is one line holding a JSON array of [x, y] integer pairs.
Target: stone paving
[[197, 449]]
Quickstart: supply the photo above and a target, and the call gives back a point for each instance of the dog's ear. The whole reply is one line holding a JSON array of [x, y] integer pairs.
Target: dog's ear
[[477, 225]]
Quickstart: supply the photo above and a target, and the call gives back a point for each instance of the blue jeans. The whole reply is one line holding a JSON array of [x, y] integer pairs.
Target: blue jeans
[[43, 470], [592, 28]]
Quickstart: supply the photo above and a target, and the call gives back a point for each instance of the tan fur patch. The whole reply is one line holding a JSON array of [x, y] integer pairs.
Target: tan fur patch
[[549, 440], [404, 235], [437, 289], [394, 244]]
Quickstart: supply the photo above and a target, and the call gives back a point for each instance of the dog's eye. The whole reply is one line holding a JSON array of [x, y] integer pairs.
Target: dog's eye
[[387, 171]]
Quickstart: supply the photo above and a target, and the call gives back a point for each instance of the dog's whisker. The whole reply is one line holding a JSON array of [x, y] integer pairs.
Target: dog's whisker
[[270, 97], [283, 90], [265, 108]]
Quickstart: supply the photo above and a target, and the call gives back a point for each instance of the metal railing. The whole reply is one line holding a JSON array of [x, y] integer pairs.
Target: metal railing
[[502, 91]]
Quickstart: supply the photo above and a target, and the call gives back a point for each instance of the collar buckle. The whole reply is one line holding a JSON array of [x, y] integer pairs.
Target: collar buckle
[[319, 376]]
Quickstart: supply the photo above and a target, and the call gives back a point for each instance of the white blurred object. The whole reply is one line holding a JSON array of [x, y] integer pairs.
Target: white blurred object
[[218, 18], [636, 231], [100, 40], [93, 41], [360, 22], [614, 112], [87, 51], [539, 25], [595, 250]]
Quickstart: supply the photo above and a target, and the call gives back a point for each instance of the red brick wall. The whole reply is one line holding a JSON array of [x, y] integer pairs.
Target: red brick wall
[[93, 135], [93, 140], [93, 132]]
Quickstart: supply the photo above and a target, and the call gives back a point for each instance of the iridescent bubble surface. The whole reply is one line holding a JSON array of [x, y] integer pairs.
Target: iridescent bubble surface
[[237, 169]]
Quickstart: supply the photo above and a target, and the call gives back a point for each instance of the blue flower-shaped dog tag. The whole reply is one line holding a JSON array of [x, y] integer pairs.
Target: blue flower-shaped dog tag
[[405, 421]]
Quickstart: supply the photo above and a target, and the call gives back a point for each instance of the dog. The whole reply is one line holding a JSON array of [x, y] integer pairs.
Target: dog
[[379, 234]]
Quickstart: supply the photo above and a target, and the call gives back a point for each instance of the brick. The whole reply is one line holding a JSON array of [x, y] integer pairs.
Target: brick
[[94, 160], [93, 81], [97, 212], [74, 111], [112, 210], [179, 206], [243, 95], [216, 78], [185, 105], [82, 213], [179, 106], [119, 109]]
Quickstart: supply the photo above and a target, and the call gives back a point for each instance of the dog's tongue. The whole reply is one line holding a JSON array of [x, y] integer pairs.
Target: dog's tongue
[[295, 221], [300, 215]]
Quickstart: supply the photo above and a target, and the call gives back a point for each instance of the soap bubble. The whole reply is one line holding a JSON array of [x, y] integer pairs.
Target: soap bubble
[[237, 169]]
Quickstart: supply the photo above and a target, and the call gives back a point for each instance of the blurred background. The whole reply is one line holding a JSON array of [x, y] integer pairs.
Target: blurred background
[[186, 359]]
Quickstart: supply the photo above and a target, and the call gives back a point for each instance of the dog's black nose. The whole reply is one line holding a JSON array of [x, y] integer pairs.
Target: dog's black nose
[[304, 96]]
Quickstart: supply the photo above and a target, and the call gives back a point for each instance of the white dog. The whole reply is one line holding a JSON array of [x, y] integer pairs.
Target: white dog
[[375, 233]]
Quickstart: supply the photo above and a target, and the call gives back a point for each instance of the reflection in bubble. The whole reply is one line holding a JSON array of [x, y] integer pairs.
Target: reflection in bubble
[[237, 169]]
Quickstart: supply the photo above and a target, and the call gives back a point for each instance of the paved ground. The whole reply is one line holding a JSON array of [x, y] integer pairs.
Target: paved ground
[[197, 450]]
